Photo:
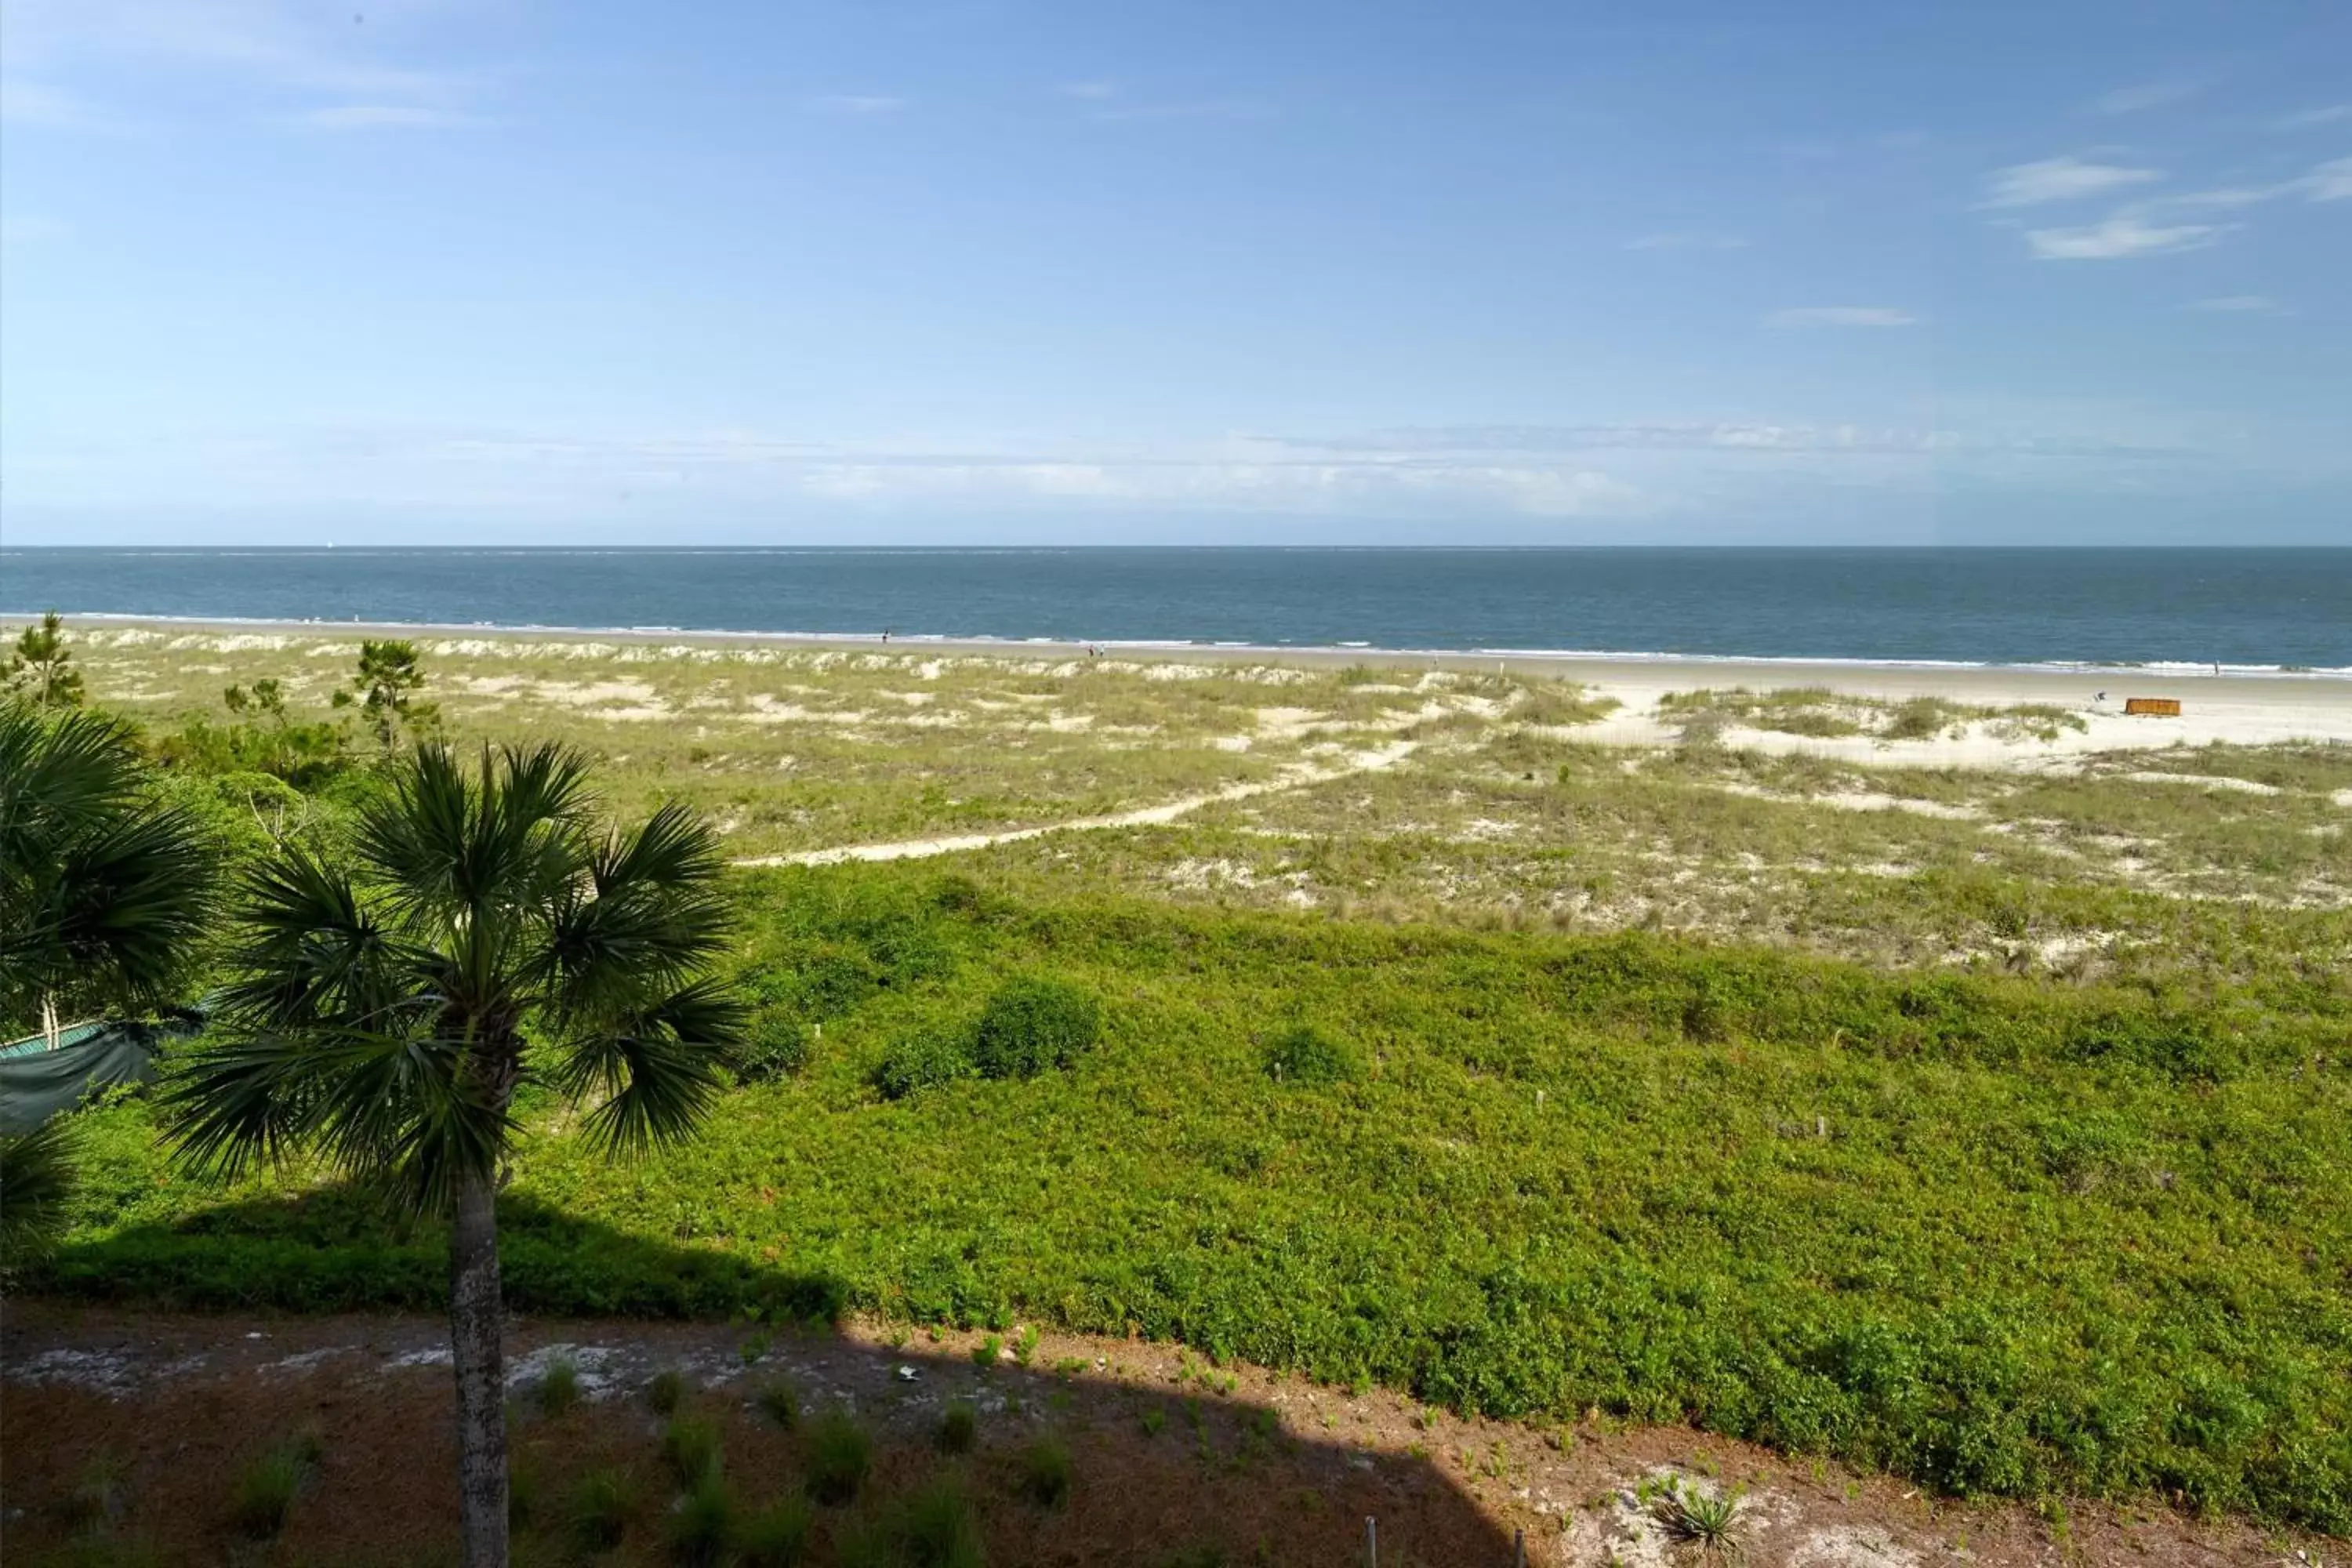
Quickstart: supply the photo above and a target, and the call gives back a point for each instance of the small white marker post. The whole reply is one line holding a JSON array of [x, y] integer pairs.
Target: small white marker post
[[1371, 1541]]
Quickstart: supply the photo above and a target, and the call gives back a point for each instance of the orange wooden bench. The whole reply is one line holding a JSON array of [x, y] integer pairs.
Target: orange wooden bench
[[2153, 707]]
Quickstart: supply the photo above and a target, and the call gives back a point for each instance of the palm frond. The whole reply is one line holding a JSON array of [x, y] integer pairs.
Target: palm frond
[[311, 953], [104, 893], [654, 1075], [38, 1172], [654, 913]]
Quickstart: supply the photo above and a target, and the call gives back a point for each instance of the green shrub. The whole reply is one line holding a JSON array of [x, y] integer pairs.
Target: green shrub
[[778, 1536], [1033, 1026], [776, 1045], [1044, 1477], [958, 1428], [839, 1455], [1305, 1054], [922, 1059], [601, 1505]]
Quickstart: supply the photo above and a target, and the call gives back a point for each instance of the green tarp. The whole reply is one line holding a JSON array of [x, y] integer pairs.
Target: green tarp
[[35, 1083]]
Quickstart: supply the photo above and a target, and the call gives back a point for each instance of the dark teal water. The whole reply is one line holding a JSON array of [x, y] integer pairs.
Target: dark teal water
[[2249, 607]]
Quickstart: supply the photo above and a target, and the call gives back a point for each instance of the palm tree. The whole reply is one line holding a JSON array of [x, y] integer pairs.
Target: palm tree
[[105, 890], [485, 931]]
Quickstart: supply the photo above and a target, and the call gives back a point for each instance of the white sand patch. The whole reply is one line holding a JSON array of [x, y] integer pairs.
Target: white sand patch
[[1232, 742], [495, 685], [766, 710], [1851, 1546], [1198, 876], [104, 1371], [1147, 817], [1287, 724], [600, 1371], [1858, 800], [2205, 780], [1069, 723]]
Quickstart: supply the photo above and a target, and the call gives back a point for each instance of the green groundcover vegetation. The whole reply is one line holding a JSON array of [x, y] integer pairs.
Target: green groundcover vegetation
[[2002, 1235]]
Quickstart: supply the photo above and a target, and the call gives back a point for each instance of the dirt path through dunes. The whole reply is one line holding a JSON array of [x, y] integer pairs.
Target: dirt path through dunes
[[1146, 816], [136, 1428]]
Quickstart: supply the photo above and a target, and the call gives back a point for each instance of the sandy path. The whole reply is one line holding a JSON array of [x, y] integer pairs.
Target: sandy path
[[1145, 816]]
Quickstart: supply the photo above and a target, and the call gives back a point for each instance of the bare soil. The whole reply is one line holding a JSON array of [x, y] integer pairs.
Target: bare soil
[[123, 1436]]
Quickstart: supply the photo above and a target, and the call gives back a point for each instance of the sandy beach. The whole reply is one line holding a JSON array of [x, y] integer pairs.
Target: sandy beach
[[2233, 707]]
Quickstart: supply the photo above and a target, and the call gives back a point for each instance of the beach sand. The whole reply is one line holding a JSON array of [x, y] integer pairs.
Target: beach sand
[[2231, 707]]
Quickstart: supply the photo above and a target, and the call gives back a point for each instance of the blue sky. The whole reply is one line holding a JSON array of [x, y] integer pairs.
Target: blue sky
[[532, 271]]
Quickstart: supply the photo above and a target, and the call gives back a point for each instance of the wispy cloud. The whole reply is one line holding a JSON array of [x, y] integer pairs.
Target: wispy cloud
[[38, 103], [1841, 316], [2141, 97], [2119, 237], [384, 117], [2246, 304], [2064, 179], [1685, 241], [289, 46], [18, 229], [1093, 90], [854, 104], [2312, 118], [1203, 109]]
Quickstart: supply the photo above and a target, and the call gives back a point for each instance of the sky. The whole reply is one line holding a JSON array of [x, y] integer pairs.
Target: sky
[[1343, 271]]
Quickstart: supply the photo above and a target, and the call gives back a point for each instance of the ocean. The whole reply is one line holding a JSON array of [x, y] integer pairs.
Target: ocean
[[2246, 608]]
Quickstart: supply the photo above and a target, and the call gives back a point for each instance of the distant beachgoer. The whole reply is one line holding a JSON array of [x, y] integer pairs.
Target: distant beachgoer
[[2102, 697], [886, 633]]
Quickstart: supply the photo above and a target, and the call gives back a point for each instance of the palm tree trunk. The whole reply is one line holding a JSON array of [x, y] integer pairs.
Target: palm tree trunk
[[474, 1329]]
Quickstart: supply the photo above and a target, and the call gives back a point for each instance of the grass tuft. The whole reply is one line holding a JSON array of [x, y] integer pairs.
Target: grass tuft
[[665, 1389], [780, 1401], [958, 1428], [778, 1536], [601, 1505], [1043, 1475], [690, 1447], [558, 1388], [703, 1526], [840, 1454], [268, 1486]]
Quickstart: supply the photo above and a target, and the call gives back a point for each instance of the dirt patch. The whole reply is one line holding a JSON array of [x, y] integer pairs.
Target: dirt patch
[[143, 1422]]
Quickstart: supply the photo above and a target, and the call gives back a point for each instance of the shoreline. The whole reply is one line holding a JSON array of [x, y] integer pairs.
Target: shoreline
[[1607, 667]]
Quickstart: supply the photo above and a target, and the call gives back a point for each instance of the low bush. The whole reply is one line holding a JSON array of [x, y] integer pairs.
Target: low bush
[[1034, 1025], [776, 1045], [922, 1060], [1306, 1055]]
